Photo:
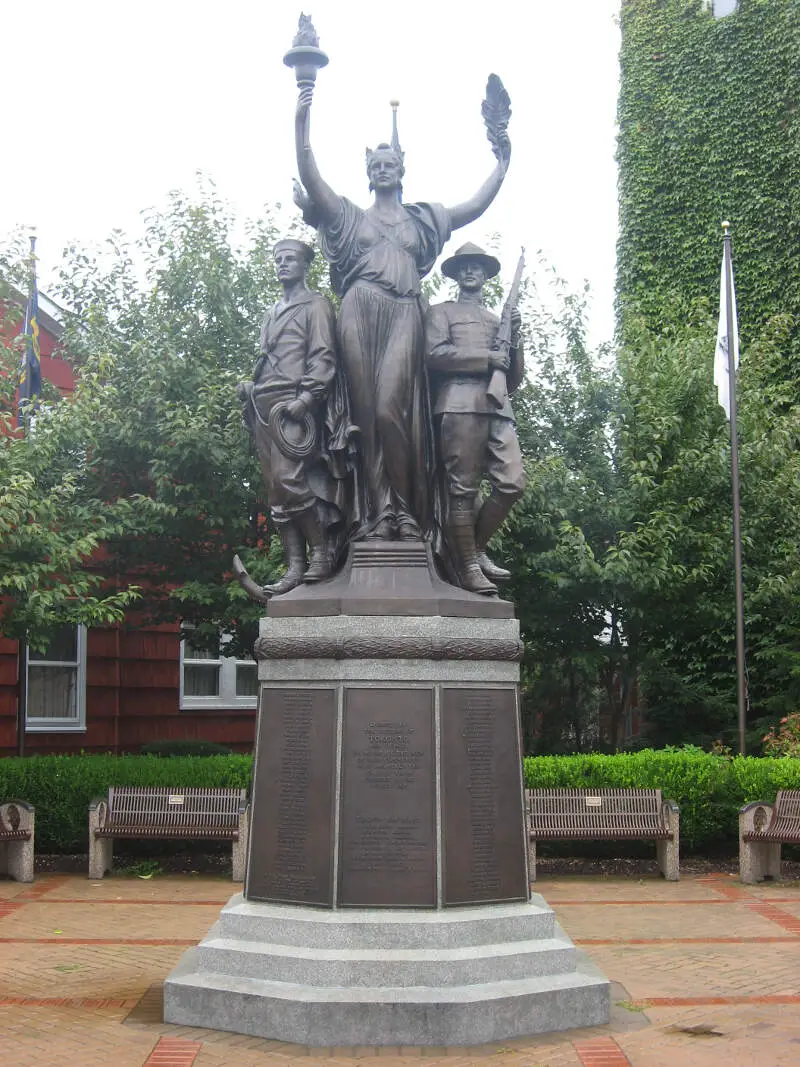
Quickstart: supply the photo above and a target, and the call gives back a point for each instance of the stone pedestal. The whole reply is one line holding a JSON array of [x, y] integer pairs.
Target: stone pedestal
[[390, 781], [386, 899], [456, 976]]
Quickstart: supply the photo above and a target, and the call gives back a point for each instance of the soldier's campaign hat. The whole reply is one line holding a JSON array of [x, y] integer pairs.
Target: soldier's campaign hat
[[470, 251], [298, 246]]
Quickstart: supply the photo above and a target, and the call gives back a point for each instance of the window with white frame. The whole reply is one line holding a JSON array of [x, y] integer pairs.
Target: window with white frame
[[56, 683], [211, 680]]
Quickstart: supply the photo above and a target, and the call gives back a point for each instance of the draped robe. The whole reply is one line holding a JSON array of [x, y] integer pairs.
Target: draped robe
[[376, 268]]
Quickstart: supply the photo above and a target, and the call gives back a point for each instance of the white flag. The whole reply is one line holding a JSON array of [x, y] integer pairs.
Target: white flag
[[721, 374]]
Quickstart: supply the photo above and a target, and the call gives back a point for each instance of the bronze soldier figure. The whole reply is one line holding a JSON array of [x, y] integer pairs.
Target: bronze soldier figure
[[475, 438], [285, 407]]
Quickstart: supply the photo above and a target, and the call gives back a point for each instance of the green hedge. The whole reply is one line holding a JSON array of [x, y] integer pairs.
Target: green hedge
[[189, 747], [61, 787], [709, 789]]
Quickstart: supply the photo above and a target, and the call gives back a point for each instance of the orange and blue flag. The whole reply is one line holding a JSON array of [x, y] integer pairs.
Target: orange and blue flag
[[30, 372]]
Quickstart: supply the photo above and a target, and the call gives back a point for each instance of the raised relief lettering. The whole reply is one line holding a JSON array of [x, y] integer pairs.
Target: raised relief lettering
[[482, 802], [387, 835], [292, 812]]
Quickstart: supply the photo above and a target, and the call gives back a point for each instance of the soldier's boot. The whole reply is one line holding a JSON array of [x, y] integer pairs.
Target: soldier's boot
[[461, 538], [294, 551], [320, 565], [490, 518]]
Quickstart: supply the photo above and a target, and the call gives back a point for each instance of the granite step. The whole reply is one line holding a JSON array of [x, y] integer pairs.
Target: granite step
[[390, 1015], [360, 966]]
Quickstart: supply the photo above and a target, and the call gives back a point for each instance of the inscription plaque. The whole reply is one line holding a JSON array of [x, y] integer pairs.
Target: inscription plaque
[[483, 818], [388, 822], [291, 812]]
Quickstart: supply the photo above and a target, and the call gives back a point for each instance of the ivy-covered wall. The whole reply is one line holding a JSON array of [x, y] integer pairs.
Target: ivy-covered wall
[[709, 129]]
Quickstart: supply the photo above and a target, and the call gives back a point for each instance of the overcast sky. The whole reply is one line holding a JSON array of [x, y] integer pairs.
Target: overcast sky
[[114, 105]]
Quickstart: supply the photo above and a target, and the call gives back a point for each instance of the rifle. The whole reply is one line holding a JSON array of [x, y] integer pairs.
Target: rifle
[[497, 390]]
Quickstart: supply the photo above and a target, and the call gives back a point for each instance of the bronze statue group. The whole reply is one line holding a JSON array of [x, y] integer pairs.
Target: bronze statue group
[[383, 421]]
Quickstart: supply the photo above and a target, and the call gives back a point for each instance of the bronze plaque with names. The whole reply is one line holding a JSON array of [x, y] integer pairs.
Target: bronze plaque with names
[[387, 852], [291, 810], [482, 808]]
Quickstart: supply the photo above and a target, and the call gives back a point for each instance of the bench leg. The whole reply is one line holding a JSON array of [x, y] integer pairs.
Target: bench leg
[[101, 856], [668, 862], [239, 855], [668, 849], [749, 862], [531, 859], [19, 860], [16, 857], [758, 860], [773, 861]]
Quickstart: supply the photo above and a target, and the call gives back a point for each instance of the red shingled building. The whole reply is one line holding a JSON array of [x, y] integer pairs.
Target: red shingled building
[[116, 688]]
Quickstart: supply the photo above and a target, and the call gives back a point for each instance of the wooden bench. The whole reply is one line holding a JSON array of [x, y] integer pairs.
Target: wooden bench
[[16, 840], [604, 815], [178, 814], [763, 828]]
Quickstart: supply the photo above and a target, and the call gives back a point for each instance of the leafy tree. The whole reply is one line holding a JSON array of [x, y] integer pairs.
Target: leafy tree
[[558, 534], [622, 547], [160, 333], [49, 527], [144, 482], [675, 441], [708, 131], [49, 532]]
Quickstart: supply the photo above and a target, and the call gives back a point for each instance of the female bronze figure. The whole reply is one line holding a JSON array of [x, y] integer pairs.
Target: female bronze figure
[[378, 257]]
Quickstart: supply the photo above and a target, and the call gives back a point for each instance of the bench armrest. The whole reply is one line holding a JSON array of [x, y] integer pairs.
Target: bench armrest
[[755, 817], [671, 814], [19, 803], [16, 814], [755, 804], [98, 814]]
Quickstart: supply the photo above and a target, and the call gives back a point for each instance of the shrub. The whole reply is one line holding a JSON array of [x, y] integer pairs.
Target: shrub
[[188, 747], [785, 741]]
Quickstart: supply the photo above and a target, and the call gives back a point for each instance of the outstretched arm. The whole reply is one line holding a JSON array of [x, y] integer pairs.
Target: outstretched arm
[[325, 199], [473, 208]]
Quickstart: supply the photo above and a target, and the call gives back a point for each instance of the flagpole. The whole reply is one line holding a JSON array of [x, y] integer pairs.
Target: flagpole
[[26, 401], [22, 680], [737, 523], [22, 695]]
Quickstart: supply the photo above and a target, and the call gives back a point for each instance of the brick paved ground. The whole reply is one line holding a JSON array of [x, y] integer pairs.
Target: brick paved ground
[[705, 971]]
